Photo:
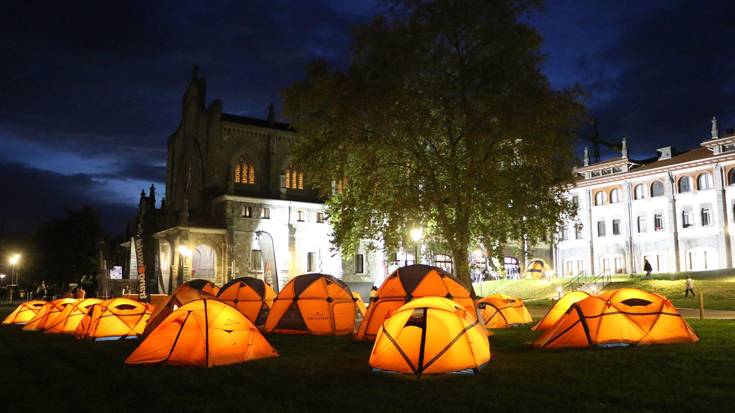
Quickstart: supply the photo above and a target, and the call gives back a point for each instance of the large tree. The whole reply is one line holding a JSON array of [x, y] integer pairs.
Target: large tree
[[444, 120]]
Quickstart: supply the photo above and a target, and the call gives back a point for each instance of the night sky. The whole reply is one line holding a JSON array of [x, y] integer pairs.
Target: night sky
[[91, 91]]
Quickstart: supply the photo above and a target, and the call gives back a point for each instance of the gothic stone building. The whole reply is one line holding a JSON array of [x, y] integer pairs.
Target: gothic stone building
[[677, 211], [229, 179]]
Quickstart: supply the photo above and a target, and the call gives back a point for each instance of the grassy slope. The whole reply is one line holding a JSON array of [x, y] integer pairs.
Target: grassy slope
[[719, 293], [327, 373]]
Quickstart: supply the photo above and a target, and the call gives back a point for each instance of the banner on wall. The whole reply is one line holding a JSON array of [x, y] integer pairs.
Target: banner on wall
[[142, 293], [268, 254]]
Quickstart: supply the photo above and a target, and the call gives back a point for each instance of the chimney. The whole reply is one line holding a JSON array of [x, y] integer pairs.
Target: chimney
[[665, 153], [624, 148], [714, 131], [586, 157]]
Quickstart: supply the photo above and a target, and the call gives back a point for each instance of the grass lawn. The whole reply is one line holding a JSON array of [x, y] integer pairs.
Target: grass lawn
[[719, 293], [59, 373]]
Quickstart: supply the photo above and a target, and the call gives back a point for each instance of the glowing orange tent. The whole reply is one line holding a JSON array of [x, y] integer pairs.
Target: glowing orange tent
[[24, 312], [558, 309], [317, 304], [114, 319], [48, 313], [251, 296], [503, 311], [536, 269], [203, 285], [407, 283], [618, 318], [361, 307], [71, 316], [204, 333], [431, 335], [182, 295]]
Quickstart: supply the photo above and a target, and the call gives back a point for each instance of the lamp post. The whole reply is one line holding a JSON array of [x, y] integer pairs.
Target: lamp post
[[13, 260], [184, 251], [416, 235]]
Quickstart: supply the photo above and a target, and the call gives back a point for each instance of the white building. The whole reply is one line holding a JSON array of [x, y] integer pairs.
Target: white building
[[675, 210]]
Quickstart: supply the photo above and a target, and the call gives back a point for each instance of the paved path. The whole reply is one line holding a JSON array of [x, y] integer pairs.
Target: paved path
[[539, 312]]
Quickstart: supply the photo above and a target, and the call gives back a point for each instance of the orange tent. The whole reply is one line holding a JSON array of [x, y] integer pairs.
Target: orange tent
[[48, 313], [114, 319], [251, 296], [361, 307], [24, 312], [410, 282], [71, 316], [503, 311], [431, 335], [204, 333], [558, 309], [182, 295], [316, 304], [203, 285], [618, 318]]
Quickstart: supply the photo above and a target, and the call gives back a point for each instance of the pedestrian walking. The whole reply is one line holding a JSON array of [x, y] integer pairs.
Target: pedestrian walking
[[689, 287], [647, 268]]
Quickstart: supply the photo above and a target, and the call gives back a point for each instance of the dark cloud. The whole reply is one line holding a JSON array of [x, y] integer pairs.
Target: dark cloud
[[671, 69], [32, 196]]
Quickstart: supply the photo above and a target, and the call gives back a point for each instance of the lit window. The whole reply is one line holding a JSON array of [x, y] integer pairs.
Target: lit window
[[600, 228], [265, 213], [641, 224], [658, 222], [600, 198], [657, 189], [340, 184], [685, 184], [578, 230], [686, 218], [704, 182], [320, 217], [294, 177], [246, 211], [616, 227], [731, 176], [244, 171], [706, 217], [615, 196], [639, 192]]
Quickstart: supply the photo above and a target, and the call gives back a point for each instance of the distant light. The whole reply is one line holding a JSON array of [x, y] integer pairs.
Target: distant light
[[477, 253], [2, 276], [549, 273], [14, 259], [559, 289], [184, 250], [417, 234]]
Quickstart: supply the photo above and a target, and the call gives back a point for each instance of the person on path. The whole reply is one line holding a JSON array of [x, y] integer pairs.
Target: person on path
[[81, 293], [373, 293], [647, 268], [690, 287]]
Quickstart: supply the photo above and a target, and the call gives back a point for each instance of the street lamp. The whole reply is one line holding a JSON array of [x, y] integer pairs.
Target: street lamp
[[184, 251], [13, 260], [416, 235]]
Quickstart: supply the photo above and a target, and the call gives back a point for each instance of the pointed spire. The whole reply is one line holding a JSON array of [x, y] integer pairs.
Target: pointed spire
[[715, 132], [586, 157], [152, 196], [624, 148], [271, 115]]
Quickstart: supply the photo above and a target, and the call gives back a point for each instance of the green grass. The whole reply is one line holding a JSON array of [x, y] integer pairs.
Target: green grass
[[331, 374], [719, 293]]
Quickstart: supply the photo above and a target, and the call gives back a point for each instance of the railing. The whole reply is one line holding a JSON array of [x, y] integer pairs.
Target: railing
[[588, 282]]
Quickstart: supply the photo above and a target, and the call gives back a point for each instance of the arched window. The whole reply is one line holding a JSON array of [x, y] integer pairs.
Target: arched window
[[203, 262], [704, 181], [615, 196], [685, 184], [244, 171], [294, 177], [340, 184], [731, 176], [600, 198], [165, 264], [657, 188], [639, 192]]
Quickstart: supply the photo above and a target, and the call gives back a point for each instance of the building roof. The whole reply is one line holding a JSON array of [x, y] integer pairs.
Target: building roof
[[262, 123], [688, 156]]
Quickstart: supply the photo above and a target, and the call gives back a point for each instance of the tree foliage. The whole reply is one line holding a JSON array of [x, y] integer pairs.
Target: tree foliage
[[443, 119]]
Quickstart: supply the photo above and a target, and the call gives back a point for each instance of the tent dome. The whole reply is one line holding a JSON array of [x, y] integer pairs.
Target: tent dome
[[431, 335], [203, 333], [407, 283], [24, 312], [251, 296], [182, 295], [558, 309], [626, 316], [203, 285], [113, 319], [48, 313], [317, 304], [503, 311], [71, 316]]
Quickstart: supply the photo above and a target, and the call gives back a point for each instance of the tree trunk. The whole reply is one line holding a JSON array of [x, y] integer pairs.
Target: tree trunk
[[461, 260]]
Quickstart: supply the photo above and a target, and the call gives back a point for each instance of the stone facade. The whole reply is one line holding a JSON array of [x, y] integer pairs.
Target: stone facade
[[675, 210]]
